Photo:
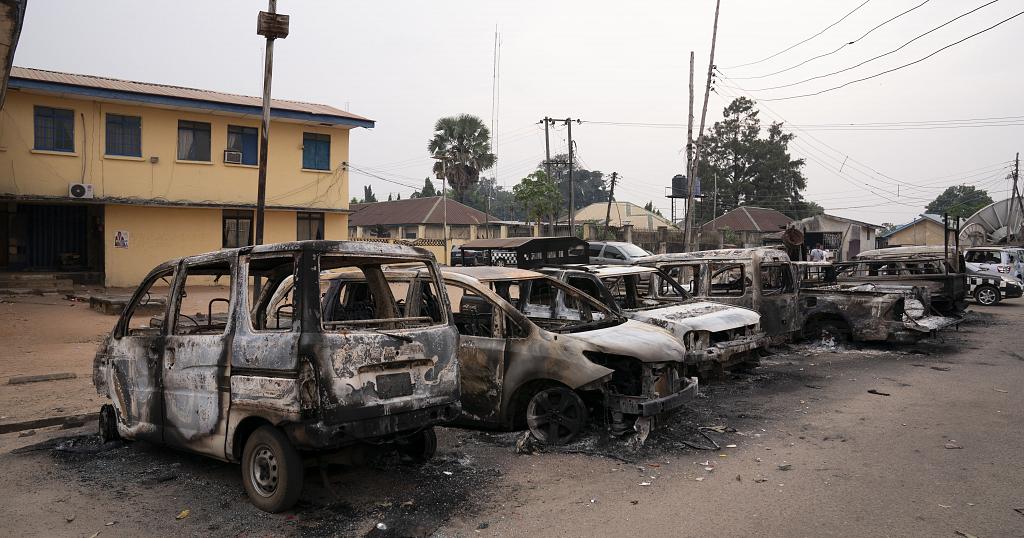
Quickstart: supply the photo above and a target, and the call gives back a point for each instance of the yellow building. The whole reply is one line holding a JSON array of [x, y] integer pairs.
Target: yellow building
[[623, 213], [925, 230], [111, 177]]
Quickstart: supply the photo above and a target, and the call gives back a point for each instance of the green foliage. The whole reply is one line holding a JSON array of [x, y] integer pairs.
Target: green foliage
[[589, 184], [959, 201], [539, 196], [368, 196], [650, 207], [462, 145], [489, 197], [427, 191], [752, 165]]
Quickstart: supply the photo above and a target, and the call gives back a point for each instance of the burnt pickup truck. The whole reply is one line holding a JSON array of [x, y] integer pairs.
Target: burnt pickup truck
[[266, 384], [924, 267], [717, 336]]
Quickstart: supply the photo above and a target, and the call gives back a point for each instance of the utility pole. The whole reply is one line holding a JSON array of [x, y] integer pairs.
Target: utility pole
[[611, 196], [273, 26], [689, 155], [572, 184], [703, 118], [1015, 196], [547, 148], [714, 200]]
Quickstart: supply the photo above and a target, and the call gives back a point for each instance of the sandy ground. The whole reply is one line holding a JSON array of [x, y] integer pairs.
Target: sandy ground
[[815, 454]]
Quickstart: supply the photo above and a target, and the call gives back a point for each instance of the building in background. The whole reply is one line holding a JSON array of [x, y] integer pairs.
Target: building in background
[[745, 226], [925, 230], [623, 213], [420, 221], [844, 237], [109, 177]]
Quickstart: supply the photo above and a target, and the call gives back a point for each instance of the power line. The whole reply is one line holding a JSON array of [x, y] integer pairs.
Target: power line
[[841, 47], [887, 71], [791, 47]]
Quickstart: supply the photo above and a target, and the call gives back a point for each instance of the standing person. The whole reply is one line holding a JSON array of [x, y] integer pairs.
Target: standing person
[[817, 255]]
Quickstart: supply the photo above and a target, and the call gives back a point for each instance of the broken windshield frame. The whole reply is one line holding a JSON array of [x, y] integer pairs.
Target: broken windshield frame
[[565, 310]]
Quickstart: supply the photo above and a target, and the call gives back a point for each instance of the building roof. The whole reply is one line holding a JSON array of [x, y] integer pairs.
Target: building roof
[[177, 96], [937, 219], [622, 212], [749, 219], [428, 210]]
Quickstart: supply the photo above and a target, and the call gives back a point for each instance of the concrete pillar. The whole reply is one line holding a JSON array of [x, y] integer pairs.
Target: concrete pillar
[[401, 233], [628, 230], [503, 231], [589, 231], [421, 231], [473, 228], [360, 232], [662, 240], [536, 229]]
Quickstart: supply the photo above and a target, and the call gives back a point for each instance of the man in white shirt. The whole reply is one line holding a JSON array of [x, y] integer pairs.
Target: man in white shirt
[[817, 255]]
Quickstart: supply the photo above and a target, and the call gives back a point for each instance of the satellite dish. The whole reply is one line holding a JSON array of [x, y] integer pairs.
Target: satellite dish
[[793, 237]]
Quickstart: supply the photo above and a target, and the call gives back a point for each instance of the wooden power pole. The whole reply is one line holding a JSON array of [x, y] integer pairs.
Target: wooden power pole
[[689, 161], [700, 134], [271, 25], [611, 196]]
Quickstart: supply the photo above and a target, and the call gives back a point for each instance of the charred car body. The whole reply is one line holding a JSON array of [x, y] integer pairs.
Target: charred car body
[[932, 268], [716, 335], [260, 385]]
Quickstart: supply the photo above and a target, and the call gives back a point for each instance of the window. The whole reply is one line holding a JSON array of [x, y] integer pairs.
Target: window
[[309, 226], [727, 280], [776, 279], [613, 253], [193, 141], [688, 276], [204, 300], [316, 151], [275, 309], [124, 135], [364, 296], [245, 141], [982, 256], [594, 251], [410, 234], [54, 129], [146, 314], [237, 228]]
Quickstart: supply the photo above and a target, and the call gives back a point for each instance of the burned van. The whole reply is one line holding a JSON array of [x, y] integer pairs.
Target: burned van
[[938, 269], [227, 373], [716, 335], [762, 279]]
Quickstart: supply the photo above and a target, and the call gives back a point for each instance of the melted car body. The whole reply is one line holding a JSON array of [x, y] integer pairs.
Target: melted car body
[[209, 374]]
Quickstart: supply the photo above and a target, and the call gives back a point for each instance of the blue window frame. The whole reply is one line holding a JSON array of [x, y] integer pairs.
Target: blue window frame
[[245, 140], [316, 151], [54, 129], [193, 141], [124, 135]]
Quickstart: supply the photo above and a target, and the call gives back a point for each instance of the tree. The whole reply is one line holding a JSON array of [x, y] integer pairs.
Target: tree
[[390, 199], [489, 197], [368, 196], [589, 185], [539, 196], [959, 201], [751, 168], [462, 147], [650, 207], [427, 191]]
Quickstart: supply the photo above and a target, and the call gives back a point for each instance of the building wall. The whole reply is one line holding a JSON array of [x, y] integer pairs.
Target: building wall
[[158, 234], [622, 213], [25, 171], [822, 223], [923, 233]]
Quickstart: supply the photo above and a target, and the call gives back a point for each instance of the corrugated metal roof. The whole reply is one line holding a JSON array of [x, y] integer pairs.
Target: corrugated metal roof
[[415, 211], [178, 92], [750, 219]]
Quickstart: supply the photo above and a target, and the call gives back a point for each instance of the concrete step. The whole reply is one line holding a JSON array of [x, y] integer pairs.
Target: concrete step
[[39, 284]]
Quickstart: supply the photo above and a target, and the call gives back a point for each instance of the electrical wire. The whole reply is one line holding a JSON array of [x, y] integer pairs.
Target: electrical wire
[[791, 47]]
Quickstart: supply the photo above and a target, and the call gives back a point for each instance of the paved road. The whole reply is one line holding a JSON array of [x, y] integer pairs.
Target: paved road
[[861, 464]]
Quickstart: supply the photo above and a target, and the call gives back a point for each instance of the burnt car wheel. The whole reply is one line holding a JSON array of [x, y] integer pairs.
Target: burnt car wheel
[[828, 328], [986, 295], [108, 423], [419, 447], [556, 415], [271, 470]]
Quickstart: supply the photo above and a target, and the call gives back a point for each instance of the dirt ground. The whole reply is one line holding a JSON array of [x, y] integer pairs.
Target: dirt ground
[[815, 454]]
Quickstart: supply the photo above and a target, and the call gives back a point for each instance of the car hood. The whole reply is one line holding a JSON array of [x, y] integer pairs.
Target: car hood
[[633, 339], [698, 316]]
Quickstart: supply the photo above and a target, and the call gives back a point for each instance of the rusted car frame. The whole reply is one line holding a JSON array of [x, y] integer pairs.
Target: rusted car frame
[[924, 267], [716, 335], [260, 385]]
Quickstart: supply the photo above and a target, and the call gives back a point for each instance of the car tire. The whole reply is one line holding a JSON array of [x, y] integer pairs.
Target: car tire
[[271, 470], [986, 295], [419, 447], [108, 423], [499, 262], [837, 329], [556, 415]]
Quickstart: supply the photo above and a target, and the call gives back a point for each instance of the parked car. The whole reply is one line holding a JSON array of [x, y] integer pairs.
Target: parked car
[[993, 274], [934, 268], [716, 335], [465, 257], [762, 279], [266, 384], [537, 353], [615, 252]]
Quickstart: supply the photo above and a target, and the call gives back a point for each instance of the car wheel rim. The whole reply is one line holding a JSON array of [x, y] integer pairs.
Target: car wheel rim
[[263, 471], [986, 296], [555, 417]]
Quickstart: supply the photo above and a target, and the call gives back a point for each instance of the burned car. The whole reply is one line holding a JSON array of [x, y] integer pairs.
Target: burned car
[[762, 279], [264, 384], [935, 268], [716, 335]]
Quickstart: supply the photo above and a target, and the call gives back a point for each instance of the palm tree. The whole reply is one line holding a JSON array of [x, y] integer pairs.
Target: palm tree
[[462, 147]]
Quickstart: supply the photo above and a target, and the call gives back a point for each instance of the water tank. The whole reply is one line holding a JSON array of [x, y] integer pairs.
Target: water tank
[[680, 186]]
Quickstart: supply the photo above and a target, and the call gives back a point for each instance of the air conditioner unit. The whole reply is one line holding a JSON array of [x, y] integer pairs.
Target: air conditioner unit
[[232, 157], [80, 190]]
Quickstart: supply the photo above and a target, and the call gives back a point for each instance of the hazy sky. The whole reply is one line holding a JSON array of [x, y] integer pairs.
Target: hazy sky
[[404, 64]]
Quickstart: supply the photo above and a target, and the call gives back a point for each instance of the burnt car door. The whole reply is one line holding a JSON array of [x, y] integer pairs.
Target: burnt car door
[[132, 354], [779, 308], [482, 352], [196, 382]]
